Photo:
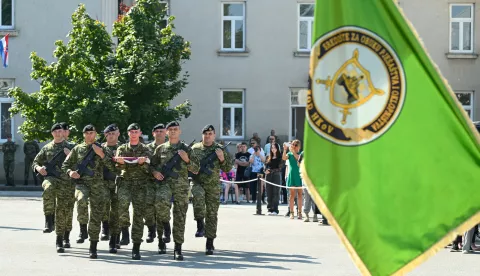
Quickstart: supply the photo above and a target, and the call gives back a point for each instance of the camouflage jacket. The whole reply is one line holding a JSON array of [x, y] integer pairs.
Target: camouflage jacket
[[76, 157], [152, 146], [9, 149], [110, 152], [47, 153], [31, 149], [165, 152], [134, 171], [202, 152]]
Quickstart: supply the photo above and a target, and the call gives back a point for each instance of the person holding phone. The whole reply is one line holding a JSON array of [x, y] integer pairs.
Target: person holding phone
[[294, 179], [257, 159]]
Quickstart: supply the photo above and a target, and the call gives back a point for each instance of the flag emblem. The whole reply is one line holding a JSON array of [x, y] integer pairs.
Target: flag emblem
[[357, 86]]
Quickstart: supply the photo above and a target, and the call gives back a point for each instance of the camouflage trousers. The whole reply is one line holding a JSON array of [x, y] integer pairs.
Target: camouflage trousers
[[132, 191], [205, 205], [71, 204], [28, 171], [9, 167], [93, 191], [111, 206], [56, 197], [180, 206], [150, 203]]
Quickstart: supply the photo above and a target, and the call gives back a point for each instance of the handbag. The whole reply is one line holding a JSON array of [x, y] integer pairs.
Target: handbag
[[247, 172]]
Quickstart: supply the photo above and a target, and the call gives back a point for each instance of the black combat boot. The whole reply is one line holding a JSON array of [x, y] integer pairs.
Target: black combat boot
[[152, 233], [59, 243], [105, 231], [113, 244], [93, 249], [162, 247], [125, 236], [25, 183], [83, 233], [177, 253], [136, 252], [48, 224], [66, 239], [200, 228], [117, 241], [167, 231], [209, 247]]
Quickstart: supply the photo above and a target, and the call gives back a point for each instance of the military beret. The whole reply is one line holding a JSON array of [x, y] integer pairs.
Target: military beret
[[89, 128], [133, 126], [9, 135], [208, 128], [110, 128], [172, 124], [55, 127], [65, 126], [159, 126]]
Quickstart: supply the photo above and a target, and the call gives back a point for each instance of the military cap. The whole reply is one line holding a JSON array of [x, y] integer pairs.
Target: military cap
[[89, 127], [133, 126], [172, 124], [65, 126], [208, 128], [9, 135], [159, 126], [55, 127], [110, 128]]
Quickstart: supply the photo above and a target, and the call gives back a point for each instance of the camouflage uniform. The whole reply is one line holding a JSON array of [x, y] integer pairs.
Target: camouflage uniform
[[132, 187], [206, 189], [56, 194], [88, 188], [151, 190], [71, 185], [111, 204], [9, 149], [31, 149], [177, 187]]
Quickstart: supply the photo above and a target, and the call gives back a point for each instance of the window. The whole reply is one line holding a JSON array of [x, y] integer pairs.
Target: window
[[466, 99], [6, 14], [232, 123], [461, 28], [164, 5], [6, 122], [233, 26], [305, 26]]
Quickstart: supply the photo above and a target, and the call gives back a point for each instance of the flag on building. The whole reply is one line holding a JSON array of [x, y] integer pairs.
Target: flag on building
[[390, 156], [4, 50]]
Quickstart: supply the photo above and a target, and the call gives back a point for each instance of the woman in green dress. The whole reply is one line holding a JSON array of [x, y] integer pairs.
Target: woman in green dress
[[294, 179]]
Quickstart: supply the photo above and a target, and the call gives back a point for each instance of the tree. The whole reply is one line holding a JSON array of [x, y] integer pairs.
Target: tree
[[88, 83]]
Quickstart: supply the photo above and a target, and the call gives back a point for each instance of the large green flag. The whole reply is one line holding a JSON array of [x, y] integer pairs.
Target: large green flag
[[391, 158]]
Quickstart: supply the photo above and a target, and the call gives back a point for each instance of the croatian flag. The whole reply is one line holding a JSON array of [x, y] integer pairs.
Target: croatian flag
[[4, 51]]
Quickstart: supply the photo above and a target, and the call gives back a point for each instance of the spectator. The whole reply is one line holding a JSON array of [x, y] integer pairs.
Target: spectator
[[294, 179], [257, 159], [242, 162], [229, 177], [271, 140], [272, 133], [256, 138], [273, 172]]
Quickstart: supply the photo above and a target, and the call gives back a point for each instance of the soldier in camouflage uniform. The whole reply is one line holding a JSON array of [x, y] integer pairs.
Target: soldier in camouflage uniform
[[158, 133], [8, 149], [178, 187], [31, 149], [206, 187], [133, 162], [55, 194], [70, 185], [89, 182], [110, 218]]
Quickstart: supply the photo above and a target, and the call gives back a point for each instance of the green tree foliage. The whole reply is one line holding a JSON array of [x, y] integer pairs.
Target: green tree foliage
[[89, 83]]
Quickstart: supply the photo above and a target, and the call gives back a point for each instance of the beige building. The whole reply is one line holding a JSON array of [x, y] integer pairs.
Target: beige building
[[249, 64]]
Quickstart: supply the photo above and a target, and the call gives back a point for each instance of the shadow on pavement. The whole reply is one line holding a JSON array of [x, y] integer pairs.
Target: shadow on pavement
[[222, 259]]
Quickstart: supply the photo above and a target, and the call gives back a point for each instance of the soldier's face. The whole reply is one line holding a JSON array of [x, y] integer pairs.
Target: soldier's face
[[159, 133], [208, 137], [66, 133], [174, 132], [111, 137], [134, 134], [58, 134], [89, 136]]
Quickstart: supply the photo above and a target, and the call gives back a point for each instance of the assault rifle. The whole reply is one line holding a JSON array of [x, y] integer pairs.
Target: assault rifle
[[82, 168], [51, 166], [174, 162], [108, 175], [206, 164]]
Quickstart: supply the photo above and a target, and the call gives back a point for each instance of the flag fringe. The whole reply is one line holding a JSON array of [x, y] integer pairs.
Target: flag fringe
[[448, 238]]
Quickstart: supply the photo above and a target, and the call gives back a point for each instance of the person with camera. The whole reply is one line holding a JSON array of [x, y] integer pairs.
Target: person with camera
[[294, 179], [257, 159]]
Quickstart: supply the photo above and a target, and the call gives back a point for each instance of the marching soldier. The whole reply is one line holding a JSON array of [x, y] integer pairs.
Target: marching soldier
[[85, 164], [176, 186], [205, 188], [158, 133], [48, 164], [110, 218], [31, 149], [133, 161], [9, 149]]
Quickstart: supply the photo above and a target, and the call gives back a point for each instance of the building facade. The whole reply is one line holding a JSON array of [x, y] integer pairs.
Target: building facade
[[250, 59]]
